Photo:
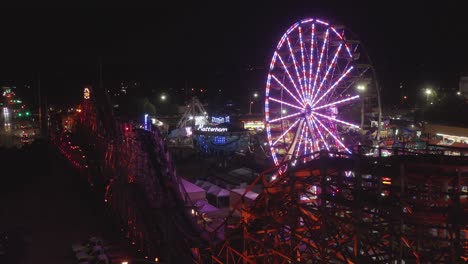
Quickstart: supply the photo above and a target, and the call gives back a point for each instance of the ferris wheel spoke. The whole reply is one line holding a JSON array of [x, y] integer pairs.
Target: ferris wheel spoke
[[335, 119], [317, 72], [290, 77], [333, 86], [337, 140], [298, 149], [306, 140], [311, 58], [316, 128], [335, 103], [332, 65], [295, 67], [288, 104], [295, 140], [285, 132], [285, 117], [287, 90], [304, 87]]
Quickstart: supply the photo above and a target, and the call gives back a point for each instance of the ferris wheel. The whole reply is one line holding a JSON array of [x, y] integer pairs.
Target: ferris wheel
[[319, 92]]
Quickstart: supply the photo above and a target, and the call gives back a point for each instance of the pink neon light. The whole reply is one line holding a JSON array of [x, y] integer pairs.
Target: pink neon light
[[300, 142], [285, 117], [292, 28], [332, 65], [287, 90], [320, 133], [273, 60], [293, 125], [333, 86], [290, 78], [322, 22], [306, 141], [335, 119], [282, 102], [295, 67], [311, 57], [320, 62], [337, 102], [307, 20], [341, 37], [331, 134], [303, 63], [280, 43]]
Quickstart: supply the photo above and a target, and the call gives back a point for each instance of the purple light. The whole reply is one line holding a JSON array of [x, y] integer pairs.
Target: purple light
[[320, 62], [307, 20], [306, 141], [303, 63], [331, 134], [295, 67], [284, 117], [282, 102], [341, 37], [333, 86], [289, 75], [300, 141], [311, 57], [320, 134], [335, 103], [336, 120], [292, 28], [285, 132], [273, 60], [332, 65], [287, 90], [322, 22], [280, 44]]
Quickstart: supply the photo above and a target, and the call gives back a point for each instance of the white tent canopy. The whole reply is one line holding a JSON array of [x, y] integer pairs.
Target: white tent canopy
[[194, 192]]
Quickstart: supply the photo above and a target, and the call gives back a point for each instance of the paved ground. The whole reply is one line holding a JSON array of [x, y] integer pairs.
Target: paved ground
[[49, 205]]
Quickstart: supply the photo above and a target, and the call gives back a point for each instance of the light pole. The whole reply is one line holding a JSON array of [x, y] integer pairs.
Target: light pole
[[428, 93], [361, 89], [255, 95]]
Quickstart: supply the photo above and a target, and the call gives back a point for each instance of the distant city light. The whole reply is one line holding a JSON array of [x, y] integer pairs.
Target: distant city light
[[458, 93], [255, 95], [146, 121], [86, 93], [428, 91]]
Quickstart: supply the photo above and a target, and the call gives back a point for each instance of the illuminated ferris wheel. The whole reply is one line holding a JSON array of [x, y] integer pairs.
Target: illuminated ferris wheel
[[320, 93]]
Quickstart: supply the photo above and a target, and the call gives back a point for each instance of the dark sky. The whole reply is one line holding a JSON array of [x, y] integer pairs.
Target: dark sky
[[211, 44]]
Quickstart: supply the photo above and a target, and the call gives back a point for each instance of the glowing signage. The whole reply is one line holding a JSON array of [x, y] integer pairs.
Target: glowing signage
[[86, 93], [220, 119], [212, 129], [254, 125]]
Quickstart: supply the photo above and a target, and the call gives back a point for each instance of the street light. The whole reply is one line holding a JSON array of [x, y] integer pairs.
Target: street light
[[458, 93], [428, 93], [252, 96], [163, 97], [361, 89]]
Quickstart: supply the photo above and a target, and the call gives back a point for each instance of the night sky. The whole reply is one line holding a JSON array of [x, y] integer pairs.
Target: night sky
[[212, 45]]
